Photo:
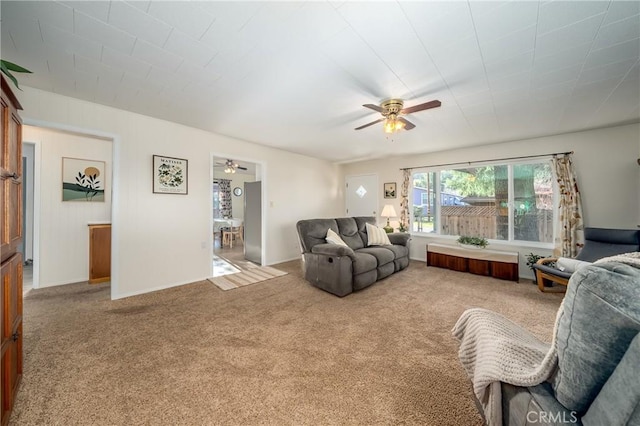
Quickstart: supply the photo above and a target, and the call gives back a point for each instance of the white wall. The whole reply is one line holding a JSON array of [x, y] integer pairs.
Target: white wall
[[605, 162], [163, 240], [63, 256]]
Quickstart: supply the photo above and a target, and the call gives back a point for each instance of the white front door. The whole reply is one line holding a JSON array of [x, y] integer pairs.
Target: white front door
[[361, 193]]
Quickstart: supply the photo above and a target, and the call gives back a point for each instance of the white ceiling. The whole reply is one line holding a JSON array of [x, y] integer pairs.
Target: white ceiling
[[293, 75]]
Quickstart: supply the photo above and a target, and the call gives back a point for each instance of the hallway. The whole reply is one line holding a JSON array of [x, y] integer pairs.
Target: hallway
[[229, 260]]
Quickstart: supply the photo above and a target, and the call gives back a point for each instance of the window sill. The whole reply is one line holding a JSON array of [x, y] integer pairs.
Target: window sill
[[453, 238]]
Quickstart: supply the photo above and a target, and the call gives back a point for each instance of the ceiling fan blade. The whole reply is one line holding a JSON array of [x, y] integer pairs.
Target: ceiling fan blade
[[370, 124], [421, 107], [373, 107], [407, 124], [241, 168]]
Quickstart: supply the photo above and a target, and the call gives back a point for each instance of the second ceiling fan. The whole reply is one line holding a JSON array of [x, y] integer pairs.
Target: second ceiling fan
[[230, 166], [392, 112]]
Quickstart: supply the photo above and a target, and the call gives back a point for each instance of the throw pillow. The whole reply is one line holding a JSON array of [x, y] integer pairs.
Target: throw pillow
[[333, 238], [377, 236], [566, 264]]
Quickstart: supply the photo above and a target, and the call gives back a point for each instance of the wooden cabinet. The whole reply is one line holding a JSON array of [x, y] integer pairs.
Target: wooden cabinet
[[99, 253], [11, 369], [10, 173], [10, 239]]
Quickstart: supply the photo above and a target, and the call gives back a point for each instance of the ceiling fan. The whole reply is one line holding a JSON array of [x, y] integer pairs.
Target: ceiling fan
[[392, 111], [230, 166]]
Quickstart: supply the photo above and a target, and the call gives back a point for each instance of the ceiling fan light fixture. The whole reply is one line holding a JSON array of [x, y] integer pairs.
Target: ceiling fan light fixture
[[392, 124], [230, 166], [389, 126], [393, 112]]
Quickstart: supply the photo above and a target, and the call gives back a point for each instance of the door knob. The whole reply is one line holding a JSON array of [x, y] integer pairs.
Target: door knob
[[15, 336], [11, 175]]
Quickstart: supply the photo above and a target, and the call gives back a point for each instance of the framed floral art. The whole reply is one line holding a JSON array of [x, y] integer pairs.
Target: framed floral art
[[170, 175]]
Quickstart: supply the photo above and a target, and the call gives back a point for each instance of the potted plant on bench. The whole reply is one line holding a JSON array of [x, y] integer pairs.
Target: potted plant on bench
[[472, 242]]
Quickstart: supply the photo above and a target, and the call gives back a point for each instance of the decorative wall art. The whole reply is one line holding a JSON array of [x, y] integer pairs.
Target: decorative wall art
[[169, 175], [390, 190], [82, 180]]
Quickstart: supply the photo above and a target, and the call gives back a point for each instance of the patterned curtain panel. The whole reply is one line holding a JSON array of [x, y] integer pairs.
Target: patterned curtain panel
[[404, 199], [569, 237], [225, 197]]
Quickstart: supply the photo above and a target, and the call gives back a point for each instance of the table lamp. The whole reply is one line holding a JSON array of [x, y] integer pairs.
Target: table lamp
[[388, 211]]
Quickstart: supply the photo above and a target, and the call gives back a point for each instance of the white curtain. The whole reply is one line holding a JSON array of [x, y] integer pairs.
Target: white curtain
[[224, 186], [569, 238], [404, 199]]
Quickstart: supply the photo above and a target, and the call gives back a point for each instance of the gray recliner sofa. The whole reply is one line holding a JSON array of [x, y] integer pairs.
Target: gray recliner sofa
[[342, 270]]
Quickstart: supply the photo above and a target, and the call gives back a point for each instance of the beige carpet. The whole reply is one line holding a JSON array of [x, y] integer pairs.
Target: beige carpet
[[281, 353], [247, 277]]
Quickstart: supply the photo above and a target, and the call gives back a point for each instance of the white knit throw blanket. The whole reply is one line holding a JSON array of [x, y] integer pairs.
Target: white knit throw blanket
[[632, 259], [494, 349]]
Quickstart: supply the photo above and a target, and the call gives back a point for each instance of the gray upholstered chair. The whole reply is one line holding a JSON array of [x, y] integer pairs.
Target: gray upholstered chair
[[598, 347], [595, 353], [599, 243]]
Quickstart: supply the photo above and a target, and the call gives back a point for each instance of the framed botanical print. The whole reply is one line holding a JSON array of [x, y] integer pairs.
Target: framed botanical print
[[170, 175], [390, 190]]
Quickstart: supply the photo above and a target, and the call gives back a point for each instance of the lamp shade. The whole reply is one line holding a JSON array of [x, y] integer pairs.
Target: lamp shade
[[388, 211]]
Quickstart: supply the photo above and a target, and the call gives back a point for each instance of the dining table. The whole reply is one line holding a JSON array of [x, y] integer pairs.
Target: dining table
[[221, 223]]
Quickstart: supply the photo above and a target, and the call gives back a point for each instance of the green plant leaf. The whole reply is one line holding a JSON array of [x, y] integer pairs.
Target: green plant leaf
[[8, 74], [13, 67], [6, 67]]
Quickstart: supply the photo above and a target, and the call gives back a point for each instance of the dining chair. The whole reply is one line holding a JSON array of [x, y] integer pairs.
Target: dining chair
[[232, 233]]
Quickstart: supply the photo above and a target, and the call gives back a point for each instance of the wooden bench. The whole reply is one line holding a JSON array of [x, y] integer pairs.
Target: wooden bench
[[494, 263]]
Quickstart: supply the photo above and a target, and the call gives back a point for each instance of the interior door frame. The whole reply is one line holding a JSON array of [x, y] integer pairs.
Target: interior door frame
[[262, 167]]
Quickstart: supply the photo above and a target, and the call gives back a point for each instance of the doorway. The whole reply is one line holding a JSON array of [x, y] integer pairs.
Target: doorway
[[59, 230], [361, 195], [26, 247], [230, 207]]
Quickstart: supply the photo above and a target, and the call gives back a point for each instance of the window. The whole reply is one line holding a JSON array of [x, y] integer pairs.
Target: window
[[509, 202]]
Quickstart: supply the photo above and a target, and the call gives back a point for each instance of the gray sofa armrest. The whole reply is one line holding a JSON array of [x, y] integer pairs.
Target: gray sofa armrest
[[332, 250], [400, 238], [330, 267]]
